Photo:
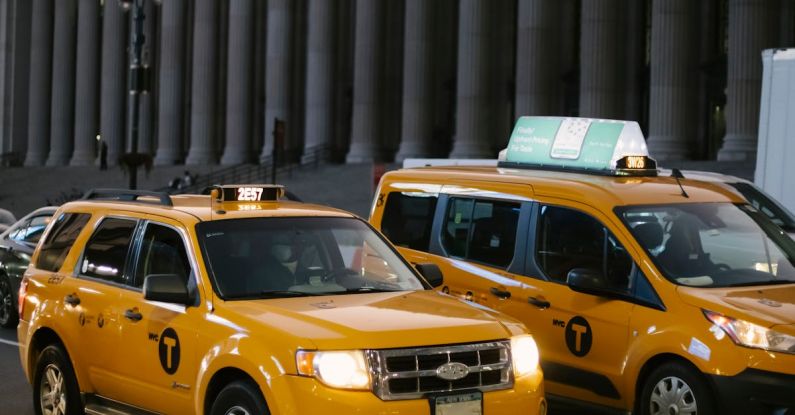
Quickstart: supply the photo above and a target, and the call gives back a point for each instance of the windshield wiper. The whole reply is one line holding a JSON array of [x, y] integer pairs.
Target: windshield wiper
[[766, 282], [285, 293], [370, 290]]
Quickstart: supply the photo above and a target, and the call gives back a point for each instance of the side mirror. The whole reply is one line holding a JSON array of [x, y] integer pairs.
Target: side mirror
[[167, 288], [588, 281], [432, 274]]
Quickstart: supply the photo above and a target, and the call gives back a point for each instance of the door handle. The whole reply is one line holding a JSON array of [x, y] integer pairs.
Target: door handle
[[502, 294], [72, 299], [133, 315], [542, 304]]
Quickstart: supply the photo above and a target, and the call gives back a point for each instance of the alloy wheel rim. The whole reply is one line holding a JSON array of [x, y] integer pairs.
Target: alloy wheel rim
[[237, 410], [52, 393], [6, 302], [672, 396]]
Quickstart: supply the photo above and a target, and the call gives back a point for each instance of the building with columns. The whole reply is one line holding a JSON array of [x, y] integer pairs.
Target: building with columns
[[378, 80]]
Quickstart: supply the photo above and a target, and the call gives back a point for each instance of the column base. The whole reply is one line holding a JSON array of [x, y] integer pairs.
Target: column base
[[234, 157], [198, 158], [266, 154], [83, 159], [411, 150], [166, 158], [738, 147], [361, 153], [663, 148], [34, 160], [56, 160], [471, 152]]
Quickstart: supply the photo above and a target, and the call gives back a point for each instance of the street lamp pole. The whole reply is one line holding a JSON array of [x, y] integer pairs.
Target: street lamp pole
[[138, 83]]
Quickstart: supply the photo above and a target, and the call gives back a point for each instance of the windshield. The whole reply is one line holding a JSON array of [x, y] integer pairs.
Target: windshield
[[286, 257], [777, 213], [713, 244]]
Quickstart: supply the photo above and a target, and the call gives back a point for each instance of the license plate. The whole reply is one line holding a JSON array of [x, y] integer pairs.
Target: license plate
[[461, 404]]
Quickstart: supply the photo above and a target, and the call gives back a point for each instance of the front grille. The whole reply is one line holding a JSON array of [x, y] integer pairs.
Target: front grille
[[412, 373]]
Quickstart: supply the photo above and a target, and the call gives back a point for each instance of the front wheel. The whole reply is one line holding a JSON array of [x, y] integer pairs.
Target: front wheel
[[8, 311], [55, 389], [239, 398], [676, 389]]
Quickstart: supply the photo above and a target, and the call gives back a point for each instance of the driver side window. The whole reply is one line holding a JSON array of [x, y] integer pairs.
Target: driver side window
[[570, 240]]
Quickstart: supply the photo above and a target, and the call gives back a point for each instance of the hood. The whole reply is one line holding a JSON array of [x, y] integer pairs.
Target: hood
[[765, 305], [376, 320]]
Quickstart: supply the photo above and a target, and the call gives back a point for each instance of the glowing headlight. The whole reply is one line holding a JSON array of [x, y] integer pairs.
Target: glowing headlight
[[337, 369], [524, 352], [752, 335]]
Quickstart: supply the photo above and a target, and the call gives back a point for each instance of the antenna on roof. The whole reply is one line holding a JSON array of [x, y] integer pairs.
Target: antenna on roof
[[677, 174]]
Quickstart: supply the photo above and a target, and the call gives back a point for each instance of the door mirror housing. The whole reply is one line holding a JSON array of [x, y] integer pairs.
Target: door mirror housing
[[588, 281], [167, 288], [432, 274]]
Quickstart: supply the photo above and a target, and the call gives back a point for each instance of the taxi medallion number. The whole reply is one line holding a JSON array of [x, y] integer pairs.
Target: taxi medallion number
[[460, 404], [249, 194]]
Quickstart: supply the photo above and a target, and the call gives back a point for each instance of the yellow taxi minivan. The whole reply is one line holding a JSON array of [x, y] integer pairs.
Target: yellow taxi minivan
[[646, 293], [241, 302]]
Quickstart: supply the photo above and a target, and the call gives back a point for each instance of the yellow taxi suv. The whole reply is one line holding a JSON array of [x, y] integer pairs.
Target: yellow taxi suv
[[648, 294], [241, 302]]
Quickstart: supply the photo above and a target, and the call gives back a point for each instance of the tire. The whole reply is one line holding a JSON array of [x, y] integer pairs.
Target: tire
[[674, 385], [239, 398], [8, 309], [54, 373]]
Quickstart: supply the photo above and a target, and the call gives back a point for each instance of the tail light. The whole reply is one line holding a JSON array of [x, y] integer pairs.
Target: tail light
[[23, 292]]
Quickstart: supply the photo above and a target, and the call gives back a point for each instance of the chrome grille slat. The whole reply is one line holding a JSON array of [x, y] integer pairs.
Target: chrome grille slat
[[391, 384]]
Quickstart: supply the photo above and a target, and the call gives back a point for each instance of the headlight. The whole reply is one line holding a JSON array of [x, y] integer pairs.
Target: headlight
[[753, 335], [337, 369], [524, 353]]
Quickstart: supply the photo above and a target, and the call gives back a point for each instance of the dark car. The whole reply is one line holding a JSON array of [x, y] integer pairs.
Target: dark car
[[16, 246]]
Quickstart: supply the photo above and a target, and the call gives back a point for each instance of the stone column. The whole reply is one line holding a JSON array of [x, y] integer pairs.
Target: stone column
[[538, 60], [171, 103], [368, 82], [418, 75], [319, 123], [600, 59], [674, 79], [6, 13], [203, 89], [478, 83], [752, 28], [240, 83], [635, 57], [113, 93], [279, 71], [146, 118], [86, 86], [63, 83], [40, 83]]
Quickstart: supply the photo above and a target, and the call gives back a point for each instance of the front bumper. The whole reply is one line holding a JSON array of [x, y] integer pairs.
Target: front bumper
[[311, 397], [755, 392]]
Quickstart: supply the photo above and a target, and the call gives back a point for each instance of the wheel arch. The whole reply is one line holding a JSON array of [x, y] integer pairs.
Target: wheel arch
[[657, 361], [220, 379]]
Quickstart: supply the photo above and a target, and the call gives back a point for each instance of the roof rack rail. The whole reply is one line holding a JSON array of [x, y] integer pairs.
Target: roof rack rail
[[126, 195]]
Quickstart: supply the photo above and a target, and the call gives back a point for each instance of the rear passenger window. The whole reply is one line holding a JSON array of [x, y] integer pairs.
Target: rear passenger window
[[64, 232], [481, 230], [162, 252], [106, 253], [408, 219], [568, 240]]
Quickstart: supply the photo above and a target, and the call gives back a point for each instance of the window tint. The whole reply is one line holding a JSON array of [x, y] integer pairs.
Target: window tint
[[64, 232], [32, 230], [162, 252], [106, 252], [568, 239], [481, 230], [408, 219]]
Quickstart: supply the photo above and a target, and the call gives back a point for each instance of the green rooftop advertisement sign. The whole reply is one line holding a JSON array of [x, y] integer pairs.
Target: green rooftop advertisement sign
[[574, 142]]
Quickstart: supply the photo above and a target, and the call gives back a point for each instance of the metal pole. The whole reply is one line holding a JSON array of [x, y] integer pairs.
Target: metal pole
[[136, 85]]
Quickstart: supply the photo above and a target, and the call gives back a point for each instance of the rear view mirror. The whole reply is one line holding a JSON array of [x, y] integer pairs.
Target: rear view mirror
[[167, 288], [432, 274], [588, 281]]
